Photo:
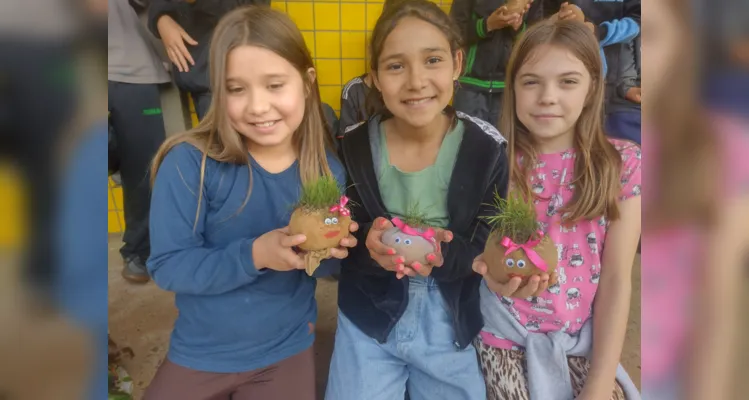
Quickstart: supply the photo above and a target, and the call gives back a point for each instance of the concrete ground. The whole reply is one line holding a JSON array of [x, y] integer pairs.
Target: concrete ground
[[141, 317]]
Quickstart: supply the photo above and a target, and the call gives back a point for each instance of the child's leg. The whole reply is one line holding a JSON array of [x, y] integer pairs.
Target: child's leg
[[437, 368], [362, 368], [505, 373], [292, 378], [173, 381], [624, 125]]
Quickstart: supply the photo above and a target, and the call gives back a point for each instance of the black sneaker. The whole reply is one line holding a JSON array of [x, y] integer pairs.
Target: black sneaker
[[135, 270]]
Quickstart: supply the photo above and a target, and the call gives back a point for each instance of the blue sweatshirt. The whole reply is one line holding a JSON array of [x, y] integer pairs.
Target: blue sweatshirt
[[232, 317]]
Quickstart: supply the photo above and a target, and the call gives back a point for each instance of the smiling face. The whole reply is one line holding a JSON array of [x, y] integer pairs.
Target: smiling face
[[551, 90], [265, 101], [416, 71]]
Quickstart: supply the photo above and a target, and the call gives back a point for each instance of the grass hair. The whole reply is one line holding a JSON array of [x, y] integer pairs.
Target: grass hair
[[514, 218], [415, 217], [321, 193]]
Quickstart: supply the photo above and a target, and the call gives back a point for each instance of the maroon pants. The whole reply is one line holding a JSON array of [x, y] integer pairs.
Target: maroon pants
[[292, 378]]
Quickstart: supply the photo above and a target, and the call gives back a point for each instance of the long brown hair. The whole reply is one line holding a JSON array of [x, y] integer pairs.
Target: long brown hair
[[395, 11], [273, 30], [598, 164], [686, 149]]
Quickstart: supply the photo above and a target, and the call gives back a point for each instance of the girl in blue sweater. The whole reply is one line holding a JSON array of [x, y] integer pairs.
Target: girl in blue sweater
[[222, 200]]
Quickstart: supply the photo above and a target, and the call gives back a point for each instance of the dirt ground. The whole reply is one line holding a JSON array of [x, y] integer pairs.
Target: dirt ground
[[141, 317]]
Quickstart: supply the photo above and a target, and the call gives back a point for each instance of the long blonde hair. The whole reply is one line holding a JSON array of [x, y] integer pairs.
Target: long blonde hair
[[273, 30], [598, 164]]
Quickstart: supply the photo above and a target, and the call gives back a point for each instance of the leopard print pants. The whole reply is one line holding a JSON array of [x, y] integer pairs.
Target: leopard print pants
[[507, 379]]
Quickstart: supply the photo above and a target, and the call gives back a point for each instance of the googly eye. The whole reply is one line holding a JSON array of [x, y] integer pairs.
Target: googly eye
[[407, 241], [334, 220], [510, 262], [397, 239], [521, 263], [328, 221]]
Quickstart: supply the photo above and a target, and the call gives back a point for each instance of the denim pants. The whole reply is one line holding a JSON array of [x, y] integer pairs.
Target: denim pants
[[420, 355]]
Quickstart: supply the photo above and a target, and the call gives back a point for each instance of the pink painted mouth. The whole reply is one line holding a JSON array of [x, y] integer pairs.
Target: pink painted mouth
[[332, 234]]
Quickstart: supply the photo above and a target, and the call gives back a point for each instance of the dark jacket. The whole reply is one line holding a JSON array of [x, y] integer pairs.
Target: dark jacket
[[353, 103], [627, 73], [370, 296], [198, 20], [487, 53]]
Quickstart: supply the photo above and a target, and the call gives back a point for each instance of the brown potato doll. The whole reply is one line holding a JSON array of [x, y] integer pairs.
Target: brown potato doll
[[322, 216], [411, 237], [516, 247]]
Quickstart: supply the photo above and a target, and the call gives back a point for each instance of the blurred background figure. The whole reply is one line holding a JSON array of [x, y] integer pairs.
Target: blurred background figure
[[52, 322], [185, 27], [696, 216], [135, 72]]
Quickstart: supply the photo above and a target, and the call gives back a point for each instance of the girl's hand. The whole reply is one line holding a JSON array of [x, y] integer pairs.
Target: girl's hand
[[346, 243], [275, 250], [535, 286], [571, 12], [174, 38], [435, 259], [634, 94], [501, 19], [519, 22], [383, 255]]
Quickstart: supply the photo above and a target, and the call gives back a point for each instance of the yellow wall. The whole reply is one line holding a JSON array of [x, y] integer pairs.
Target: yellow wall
[[337, 33]]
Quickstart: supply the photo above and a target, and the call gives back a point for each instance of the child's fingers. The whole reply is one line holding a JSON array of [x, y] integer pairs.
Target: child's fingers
[[530, 288], [479, 266], [421, 269], [339, 252], [353, 227], [292, 260], [291, 241], [443, 235], [381, 224], [348, 241], [375, 245], [542, 287]]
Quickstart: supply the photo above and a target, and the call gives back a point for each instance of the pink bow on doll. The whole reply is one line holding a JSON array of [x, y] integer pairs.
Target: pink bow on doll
[[427, 234], [528, 248], [341, 207]]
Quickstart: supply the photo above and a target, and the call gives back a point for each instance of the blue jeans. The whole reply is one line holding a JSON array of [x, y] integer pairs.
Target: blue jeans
[[420, 354], [624, 125]]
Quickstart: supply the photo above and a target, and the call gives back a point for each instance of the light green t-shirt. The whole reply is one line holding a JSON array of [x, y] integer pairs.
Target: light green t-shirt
[[427, 188]]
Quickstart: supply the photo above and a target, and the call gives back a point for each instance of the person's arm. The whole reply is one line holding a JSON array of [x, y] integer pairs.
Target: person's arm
[[159, 8], [612, 301], [628, 74], [621, 30], [712, 360], [472, 27], [459, 253], [180, 261]]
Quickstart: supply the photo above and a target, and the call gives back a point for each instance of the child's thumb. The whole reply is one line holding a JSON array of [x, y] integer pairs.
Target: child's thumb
[[188, 39], [291, 241]]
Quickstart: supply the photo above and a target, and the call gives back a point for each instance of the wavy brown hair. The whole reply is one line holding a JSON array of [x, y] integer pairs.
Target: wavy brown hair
[[598, 164], [393, 12], [263, 27]]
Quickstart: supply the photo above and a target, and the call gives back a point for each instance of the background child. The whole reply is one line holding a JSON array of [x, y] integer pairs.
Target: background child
[[489, 31], [185, 27], [411, 326], [135, 71], [222, 200], [586, 190], [354, 95], [623, 113]]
